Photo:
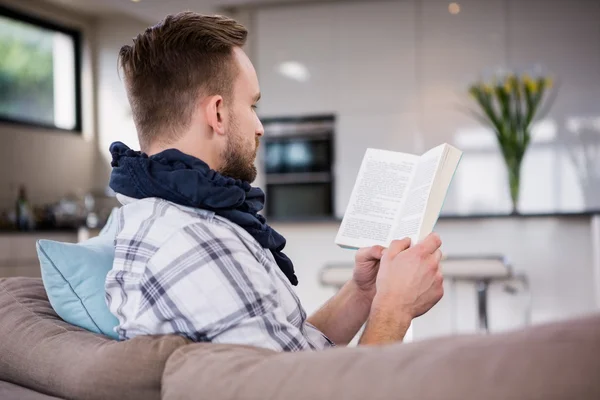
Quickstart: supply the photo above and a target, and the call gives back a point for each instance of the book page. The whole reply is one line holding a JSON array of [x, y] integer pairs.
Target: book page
[[447, 168], [376, 198], [413, 209]]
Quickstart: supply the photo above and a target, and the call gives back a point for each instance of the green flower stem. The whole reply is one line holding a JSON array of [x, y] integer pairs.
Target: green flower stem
[[514, 180]]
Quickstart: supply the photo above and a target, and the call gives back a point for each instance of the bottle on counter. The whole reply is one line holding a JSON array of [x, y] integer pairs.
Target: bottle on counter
[[23, 211]]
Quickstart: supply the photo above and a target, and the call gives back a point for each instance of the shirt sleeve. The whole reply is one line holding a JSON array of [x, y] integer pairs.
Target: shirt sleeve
[[205, 284]]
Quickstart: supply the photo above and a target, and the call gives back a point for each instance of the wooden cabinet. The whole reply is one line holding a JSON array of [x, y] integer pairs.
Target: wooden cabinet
[[18, 254]]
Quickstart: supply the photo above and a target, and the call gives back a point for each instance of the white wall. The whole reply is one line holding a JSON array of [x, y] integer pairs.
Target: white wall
[[395, 74], [115, 122], [50, 163]]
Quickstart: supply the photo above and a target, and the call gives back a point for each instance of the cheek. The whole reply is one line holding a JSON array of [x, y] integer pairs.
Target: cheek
[[251, 119], [248, 125]]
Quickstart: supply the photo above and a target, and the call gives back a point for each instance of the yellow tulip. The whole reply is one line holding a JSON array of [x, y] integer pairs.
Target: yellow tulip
[[532, 86]]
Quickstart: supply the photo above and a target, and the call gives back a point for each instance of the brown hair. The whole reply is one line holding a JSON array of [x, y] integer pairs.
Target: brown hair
[[171, 64]]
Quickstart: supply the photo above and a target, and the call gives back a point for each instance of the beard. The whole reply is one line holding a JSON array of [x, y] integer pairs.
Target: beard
[[238, 159]]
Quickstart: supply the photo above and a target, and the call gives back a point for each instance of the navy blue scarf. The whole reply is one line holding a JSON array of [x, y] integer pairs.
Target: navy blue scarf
[[188, 181]]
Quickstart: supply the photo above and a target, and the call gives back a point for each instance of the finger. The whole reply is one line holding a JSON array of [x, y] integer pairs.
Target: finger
[[436, 257], [372, 253], [431, 243], [397, 246]]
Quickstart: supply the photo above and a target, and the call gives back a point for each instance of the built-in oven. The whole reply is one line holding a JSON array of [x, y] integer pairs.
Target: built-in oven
[[298, 163]]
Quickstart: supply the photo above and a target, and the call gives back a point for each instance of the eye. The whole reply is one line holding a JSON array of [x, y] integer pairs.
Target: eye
[[254, 106]]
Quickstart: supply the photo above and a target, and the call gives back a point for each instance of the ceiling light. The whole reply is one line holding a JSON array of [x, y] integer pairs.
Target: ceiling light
[[453, 8], [294, 70], [136, 1]]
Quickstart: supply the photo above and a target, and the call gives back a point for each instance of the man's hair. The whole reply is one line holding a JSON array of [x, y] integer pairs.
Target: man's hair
[[172, 64]]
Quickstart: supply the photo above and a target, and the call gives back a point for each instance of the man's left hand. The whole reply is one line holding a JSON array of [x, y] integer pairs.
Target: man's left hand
[[366, 266]]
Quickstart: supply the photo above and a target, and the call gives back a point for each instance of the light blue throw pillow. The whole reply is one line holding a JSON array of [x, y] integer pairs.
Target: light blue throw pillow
[[74, 276]]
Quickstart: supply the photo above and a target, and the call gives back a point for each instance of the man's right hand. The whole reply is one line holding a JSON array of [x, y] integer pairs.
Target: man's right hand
[[409, 283], [409, 279]]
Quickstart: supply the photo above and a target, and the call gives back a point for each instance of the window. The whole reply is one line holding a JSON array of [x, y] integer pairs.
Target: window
[[39, 72], [560, 172]]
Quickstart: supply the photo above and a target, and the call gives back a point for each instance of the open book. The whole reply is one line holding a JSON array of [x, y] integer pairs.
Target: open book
[[397, 195]]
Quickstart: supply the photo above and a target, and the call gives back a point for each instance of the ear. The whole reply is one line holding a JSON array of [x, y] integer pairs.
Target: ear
[[214, 110]]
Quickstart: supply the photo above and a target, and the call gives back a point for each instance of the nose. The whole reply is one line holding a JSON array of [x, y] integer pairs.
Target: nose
[[260, 130]]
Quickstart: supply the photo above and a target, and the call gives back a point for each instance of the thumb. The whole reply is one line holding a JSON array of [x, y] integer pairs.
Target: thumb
[[375, 252], [369, 253], [397, 246]]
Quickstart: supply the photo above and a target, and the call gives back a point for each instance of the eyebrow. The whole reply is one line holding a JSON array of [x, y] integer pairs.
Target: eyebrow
[[257, 97]]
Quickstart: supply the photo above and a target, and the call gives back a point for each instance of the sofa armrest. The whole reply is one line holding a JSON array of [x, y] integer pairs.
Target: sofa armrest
[[554, 361], [40, 351]]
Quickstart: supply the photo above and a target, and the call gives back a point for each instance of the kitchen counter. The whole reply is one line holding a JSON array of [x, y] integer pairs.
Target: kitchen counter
[[18, 254], [559, 253], [443, 217], [43, 231]]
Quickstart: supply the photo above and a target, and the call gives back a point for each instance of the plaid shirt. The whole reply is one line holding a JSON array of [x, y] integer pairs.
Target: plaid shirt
[[187, 271]]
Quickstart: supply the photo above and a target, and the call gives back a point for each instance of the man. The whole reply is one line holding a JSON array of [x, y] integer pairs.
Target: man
[[193, 256]]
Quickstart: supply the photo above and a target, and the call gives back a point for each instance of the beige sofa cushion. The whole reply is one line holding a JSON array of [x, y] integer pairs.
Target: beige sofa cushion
[[10, 391], [40, 351], [557, 361]]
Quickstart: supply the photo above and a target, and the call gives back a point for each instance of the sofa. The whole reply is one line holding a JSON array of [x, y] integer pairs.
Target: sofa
[[42, 358]]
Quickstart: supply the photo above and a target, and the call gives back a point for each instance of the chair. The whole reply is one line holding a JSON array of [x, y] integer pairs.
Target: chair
[[483, 271]]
